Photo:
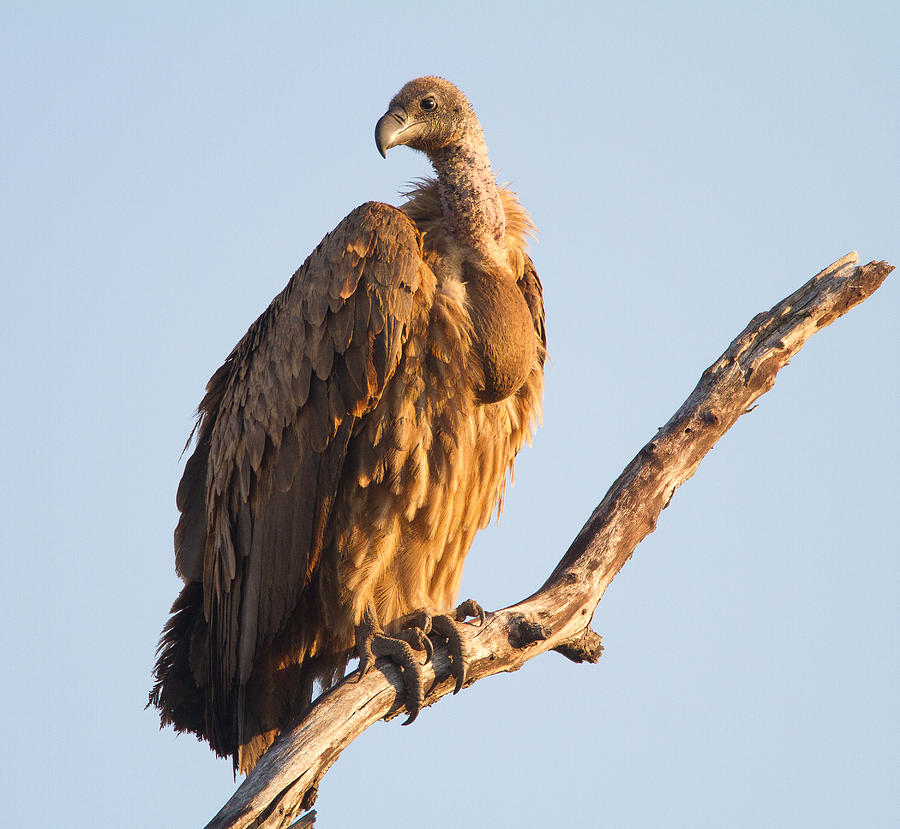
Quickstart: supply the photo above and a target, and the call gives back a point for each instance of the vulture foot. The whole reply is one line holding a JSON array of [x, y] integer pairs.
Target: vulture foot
[[422, 625], [413, 633], [372, 642], [448, 626]]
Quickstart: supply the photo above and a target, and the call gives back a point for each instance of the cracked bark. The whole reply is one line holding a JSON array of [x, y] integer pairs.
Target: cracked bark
[[557, 616]]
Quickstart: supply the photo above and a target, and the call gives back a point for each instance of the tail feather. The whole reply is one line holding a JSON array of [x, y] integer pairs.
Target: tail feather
[[175, 690], [277, 693]]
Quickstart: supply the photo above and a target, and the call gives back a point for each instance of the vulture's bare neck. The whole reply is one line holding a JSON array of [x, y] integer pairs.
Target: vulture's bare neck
[[470, 199]]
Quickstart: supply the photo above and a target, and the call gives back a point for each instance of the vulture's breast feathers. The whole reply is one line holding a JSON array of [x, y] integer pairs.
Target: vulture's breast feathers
[[503, 323]]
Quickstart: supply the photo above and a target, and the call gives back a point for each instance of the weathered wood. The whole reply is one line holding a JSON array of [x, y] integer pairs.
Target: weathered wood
[[557, 616]]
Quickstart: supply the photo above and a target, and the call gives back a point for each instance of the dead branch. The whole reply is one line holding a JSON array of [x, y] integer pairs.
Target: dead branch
[[285, 781]]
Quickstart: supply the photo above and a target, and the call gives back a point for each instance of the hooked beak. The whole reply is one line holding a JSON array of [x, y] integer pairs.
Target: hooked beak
[[390, 128]]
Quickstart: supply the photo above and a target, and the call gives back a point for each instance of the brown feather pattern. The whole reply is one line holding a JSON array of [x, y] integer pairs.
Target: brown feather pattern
[[343, 457]]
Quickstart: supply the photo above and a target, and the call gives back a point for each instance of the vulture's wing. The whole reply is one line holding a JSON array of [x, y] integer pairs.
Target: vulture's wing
[[274, 429]]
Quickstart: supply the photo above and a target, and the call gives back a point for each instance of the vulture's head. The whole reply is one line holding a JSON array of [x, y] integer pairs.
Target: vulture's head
[[428, 114]]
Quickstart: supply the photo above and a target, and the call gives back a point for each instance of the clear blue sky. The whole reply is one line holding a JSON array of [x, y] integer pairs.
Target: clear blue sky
[[164, 171]]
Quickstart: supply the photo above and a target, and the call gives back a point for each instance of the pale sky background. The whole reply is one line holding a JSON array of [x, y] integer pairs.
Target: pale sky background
[[165, 170]]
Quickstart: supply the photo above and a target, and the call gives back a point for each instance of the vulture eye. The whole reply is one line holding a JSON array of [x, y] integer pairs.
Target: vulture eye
[[428, 104]]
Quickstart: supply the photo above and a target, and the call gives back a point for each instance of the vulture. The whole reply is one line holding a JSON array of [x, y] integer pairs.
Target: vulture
[[352, 444]]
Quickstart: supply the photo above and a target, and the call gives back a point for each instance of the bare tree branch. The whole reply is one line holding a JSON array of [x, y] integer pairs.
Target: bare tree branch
[[557, 616]]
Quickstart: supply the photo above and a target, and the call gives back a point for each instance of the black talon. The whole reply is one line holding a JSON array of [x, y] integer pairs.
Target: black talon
[[429, 650]]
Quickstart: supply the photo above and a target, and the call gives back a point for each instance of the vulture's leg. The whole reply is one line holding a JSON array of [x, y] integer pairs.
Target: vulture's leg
[[372, 642]]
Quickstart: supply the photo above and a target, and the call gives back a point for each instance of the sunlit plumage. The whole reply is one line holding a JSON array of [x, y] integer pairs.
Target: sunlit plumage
[[355, 439]]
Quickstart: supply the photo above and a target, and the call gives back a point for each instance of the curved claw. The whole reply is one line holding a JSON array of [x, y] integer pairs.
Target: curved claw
[[470, 608], [429, 650]]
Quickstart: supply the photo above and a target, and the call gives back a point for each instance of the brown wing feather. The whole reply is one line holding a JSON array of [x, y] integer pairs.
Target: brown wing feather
[[530, 286], [271, 442]]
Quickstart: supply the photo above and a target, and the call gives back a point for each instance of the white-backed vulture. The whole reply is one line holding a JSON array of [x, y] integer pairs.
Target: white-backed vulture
[[353, 443]]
